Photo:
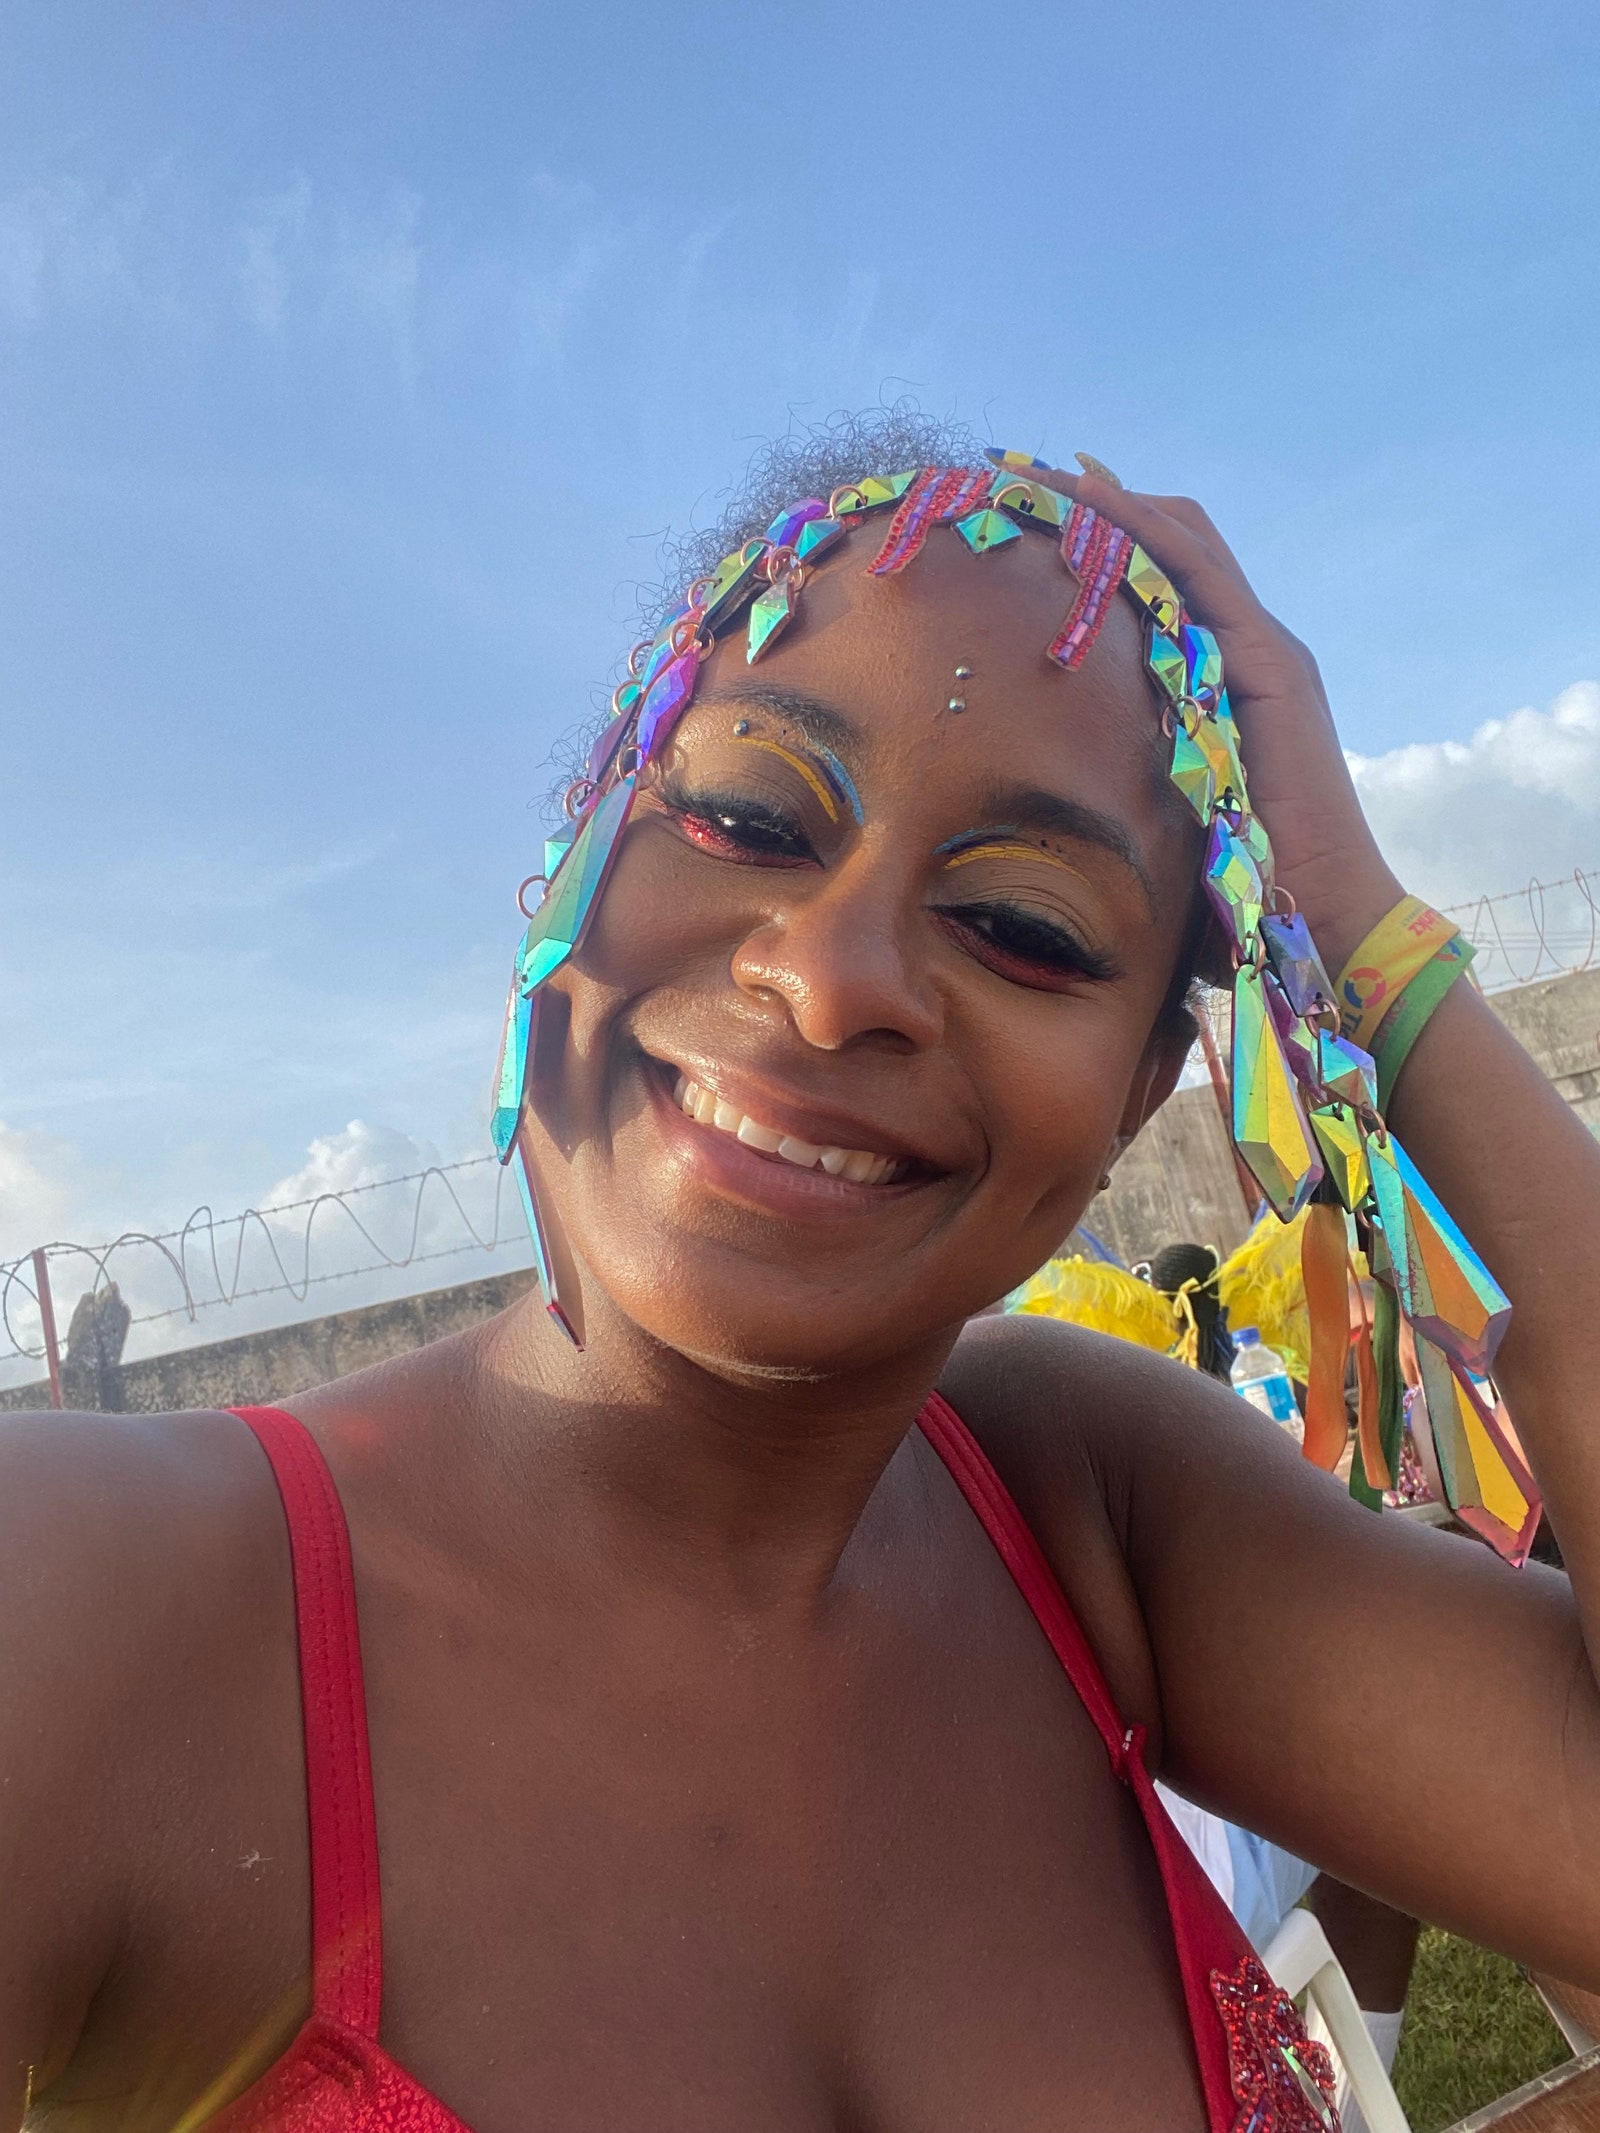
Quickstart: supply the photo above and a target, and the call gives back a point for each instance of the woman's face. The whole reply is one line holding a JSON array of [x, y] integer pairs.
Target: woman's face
[[927, 948]]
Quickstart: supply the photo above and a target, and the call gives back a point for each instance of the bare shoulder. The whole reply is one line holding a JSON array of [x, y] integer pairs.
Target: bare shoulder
[[133, 1552], [1073, 1420], [1053, 1403]]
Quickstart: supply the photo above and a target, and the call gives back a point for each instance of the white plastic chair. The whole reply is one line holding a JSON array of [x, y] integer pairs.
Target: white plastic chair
[[1300, 1960]]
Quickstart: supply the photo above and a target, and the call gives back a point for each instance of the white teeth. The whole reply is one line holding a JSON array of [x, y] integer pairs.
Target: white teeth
[[859, 1165], [755, 1136]]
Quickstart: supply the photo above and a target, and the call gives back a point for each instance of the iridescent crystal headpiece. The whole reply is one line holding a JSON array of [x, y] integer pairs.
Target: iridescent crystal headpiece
[[1304, 1098]]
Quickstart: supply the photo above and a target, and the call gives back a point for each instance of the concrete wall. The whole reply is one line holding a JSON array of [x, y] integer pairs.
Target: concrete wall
[[262, 1369], [1559, 1022], [1177, 1182]]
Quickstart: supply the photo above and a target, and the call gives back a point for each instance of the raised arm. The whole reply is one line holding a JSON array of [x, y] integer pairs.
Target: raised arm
[[1401, 1706]]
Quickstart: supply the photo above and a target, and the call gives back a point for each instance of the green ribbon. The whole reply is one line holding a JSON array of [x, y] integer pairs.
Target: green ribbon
[[1391, 1395], [1406, 1020]]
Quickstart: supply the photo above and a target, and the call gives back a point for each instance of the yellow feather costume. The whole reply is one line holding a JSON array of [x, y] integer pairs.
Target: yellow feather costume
[[1258, 1285]]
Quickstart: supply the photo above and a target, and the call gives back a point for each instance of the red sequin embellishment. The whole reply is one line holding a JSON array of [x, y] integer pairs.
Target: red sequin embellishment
[[1097, 554], [937, 494], [1282, 2082]]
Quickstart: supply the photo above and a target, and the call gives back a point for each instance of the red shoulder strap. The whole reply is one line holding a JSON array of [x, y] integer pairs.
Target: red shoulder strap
[[346, 1931], [1205, 1933]]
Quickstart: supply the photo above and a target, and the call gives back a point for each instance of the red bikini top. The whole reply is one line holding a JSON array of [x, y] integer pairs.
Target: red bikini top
[[1257, 2071]]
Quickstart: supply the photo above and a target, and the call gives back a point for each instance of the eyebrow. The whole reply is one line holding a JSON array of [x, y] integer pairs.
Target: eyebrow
[[819, 721], [1021, 806], [1031, 807]]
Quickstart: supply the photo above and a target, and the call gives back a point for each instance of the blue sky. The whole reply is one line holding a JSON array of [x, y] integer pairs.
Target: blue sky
[[354, 356]]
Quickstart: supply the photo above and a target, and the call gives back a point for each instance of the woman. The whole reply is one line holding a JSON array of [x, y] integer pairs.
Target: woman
[[723, 1777]]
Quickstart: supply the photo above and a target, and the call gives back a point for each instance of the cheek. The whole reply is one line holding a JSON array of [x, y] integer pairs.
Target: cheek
[[1054, 1085], [1054, 1076], [665, 910]]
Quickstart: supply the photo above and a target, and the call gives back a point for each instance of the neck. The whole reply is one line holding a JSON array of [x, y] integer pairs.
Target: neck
[[740, 1485]]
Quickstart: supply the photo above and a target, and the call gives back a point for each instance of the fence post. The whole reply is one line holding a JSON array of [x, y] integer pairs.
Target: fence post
[[47, 1313]]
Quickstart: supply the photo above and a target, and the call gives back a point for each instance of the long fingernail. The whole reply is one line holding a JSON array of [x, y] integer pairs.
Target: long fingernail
[[1091, 465]]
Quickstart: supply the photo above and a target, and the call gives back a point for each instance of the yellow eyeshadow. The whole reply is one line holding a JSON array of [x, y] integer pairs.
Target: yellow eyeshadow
[[754, 740], [1008, 851]]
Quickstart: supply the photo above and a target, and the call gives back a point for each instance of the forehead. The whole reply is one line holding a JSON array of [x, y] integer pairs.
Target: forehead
[[883, 652]]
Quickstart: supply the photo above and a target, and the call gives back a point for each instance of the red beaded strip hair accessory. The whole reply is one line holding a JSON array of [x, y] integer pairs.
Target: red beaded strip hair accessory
[[1097, 553], [937, 494]]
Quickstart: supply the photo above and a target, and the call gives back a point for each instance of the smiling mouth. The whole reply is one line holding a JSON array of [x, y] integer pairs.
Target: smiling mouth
[[861, 1166]]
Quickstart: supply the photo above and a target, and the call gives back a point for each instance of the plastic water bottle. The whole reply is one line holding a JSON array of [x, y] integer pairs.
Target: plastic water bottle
[[1259, 1376]]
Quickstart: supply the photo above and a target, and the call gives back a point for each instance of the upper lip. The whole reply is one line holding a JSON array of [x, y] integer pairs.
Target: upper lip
[[772, 1105]]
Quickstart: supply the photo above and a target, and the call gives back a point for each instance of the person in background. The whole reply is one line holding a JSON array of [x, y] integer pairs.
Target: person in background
[[1188, 1274]]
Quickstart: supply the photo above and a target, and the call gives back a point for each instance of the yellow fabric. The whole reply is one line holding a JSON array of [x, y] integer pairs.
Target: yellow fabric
[[1261, 1285], [1401, 944], [1092, 1293]]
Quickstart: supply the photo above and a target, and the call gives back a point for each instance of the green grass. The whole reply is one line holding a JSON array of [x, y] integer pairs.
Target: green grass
[[1475, 2029]]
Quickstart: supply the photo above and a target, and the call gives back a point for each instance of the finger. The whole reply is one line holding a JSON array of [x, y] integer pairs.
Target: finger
[[1196, 558]]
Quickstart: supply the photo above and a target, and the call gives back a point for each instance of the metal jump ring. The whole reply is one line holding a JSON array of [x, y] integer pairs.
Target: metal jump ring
[[1186, 707], [524, 887], [1322, 1014], [1024, 489], [1289, 908], [638, 656], [845, 488]]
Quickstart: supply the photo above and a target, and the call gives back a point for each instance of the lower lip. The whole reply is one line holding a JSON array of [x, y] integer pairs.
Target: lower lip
[[766, 1182]]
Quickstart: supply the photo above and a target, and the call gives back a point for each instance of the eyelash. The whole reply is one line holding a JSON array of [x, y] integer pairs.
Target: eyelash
[[1037, 953], [730, 826]]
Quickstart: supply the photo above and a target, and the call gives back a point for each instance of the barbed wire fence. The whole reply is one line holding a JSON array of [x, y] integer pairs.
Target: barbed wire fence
[[452, 1210], [288, 1249], [1550, 929]]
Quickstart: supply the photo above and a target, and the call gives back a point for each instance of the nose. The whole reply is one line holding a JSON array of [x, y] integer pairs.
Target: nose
[[845, 964]]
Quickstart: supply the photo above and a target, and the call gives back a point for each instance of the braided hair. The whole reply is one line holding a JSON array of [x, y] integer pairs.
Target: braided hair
[[1190, 1270]]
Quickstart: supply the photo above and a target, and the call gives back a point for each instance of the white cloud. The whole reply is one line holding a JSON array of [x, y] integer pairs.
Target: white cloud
[[271, 237], [67, 242], [1518, 801], [40, 1190], [359, 1155]]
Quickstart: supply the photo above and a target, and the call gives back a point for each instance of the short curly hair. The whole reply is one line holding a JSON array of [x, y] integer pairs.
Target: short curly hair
[[810, 461]]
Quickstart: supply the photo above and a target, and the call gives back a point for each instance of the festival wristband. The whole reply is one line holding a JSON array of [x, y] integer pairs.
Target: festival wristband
[[1383, 966], [1408, 1016]]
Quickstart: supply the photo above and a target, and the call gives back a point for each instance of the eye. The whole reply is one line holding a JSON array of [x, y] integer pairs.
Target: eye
[[1023, 945], [734, 826]]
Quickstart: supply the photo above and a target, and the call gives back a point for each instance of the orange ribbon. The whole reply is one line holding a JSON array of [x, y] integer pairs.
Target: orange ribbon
[[1322, 1269]]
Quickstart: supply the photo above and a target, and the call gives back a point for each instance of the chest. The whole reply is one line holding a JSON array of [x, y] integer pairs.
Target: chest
[[879, 1877]]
